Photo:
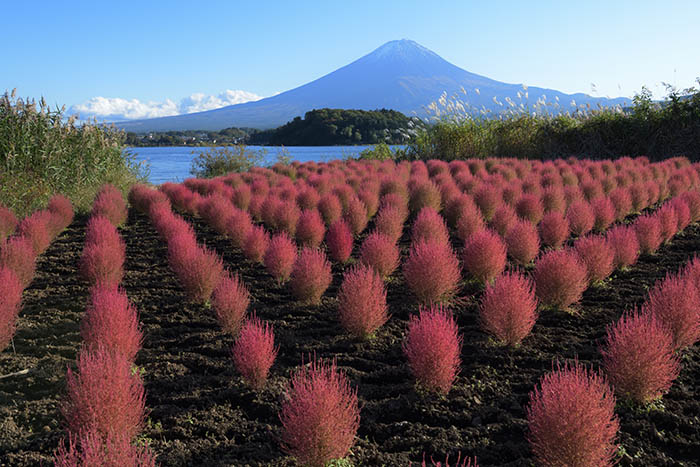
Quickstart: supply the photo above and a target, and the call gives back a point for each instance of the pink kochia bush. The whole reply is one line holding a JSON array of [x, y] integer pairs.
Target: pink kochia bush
[[433, 347], [92, 449], [509, 308], [381, 253], [355, 214], [35, 228], [110, 203], [339, 241], [104, 254], [17, 255], [310, 229], [625, 245], [675, 303], [10, 299], [553, 229], [598, 256], [389, 221], [604, 212], [529, 207], [484, 256], [571, 418], [320, 415], [560, 278], [362, 305], [523, 242], [581, 218], [256, 243], [638, 357], [429, 225], [648, 232], [254, 352], [111, 321], [198, 269], [230, 301], [280, 256], [311, 276], [432, 271], [104, 396], [61, 211]]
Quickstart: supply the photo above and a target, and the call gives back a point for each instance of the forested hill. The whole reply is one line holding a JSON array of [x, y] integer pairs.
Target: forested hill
[[329, 127]]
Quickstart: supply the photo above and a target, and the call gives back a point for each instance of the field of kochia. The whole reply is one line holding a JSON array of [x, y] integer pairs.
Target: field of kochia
[[477, 312]]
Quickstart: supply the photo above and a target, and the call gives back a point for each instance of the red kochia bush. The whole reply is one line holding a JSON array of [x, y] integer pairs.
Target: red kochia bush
[[598, 256], [692, 198], [648, 232], [487, 198], [581, 218], [17, 255], [230, 301], [256, 243], [553, 229], [625, 245], [682, 212], [100, 230], [110, 203], [380, 252], [638, 357], [92, 449], [36, 229], [238, 227], [105, 396], [111, 321], [529, 207], [339, 241], [308, 198], [560, 278], [668, 222], [311, 276], [429, 225], [604, 212], [523, 242], [355, 214], [330, 208], [675, 302], [620, 198], [432, 271], [320, 415], [62, 213], [280, 256], [469, 223], [10, 298], [509, 308], [310, 229], [389, 221], [216, 210], [502, 220], [103, 262], [8, 223], [571, 418], [432, 347], [484, 256], [254, 352], [198, 269], [426, 194], [286, 217], [362, 301]]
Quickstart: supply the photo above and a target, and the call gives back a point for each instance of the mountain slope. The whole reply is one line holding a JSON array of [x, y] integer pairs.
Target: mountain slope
[[400, 75]]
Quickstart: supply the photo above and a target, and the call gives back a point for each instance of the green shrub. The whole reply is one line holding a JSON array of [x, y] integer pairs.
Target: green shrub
[[216, 161], [42, 153]]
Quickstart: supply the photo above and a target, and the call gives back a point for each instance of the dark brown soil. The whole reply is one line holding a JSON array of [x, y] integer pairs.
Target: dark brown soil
[[201, 413]]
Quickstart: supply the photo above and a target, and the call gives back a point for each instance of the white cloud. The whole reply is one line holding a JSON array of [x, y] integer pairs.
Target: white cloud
[[116, 108]]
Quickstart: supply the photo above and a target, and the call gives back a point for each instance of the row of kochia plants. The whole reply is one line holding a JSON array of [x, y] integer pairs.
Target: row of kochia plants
[[104, 406], [564, 225]]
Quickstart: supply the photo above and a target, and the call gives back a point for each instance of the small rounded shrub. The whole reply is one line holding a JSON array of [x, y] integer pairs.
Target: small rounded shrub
[[487, 197], [103, 263], [604, 212], [339, 241], [35, 228], [429, 225], [675, 303], [648, 230], [560, 278], [17, 255], [230, 301], [581, 218], [355, 214], [597, 255], [638, 357], [523, 242], [280, 256], [110, 203], [310, 229], [238, 227], [380, 252], [330, 208], [503, 219], [311, 276], [320, 415], [571, 418], [256, 243], [362, 305], [529, 207], [92, 449], [432, 272], [254, 352], [484, 256], [470, 223], [509, 308], [10, 299], [432, 348], [621, 199], [553, 229], [426, 194]]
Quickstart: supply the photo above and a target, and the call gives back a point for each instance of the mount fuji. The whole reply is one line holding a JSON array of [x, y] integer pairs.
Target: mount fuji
[[400, 75]]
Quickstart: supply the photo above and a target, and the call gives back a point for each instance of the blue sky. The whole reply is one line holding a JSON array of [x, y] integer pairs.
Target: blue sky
[[181, 56]]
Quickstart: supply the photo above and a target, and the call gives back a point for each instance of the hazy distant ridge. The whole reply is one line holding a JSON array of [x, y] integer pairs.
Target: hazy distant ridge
[[400, 75]]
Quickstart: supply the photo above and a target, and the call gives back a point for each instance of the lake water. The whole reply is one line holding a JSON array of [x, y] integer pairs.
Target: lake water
[[172, 164]]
